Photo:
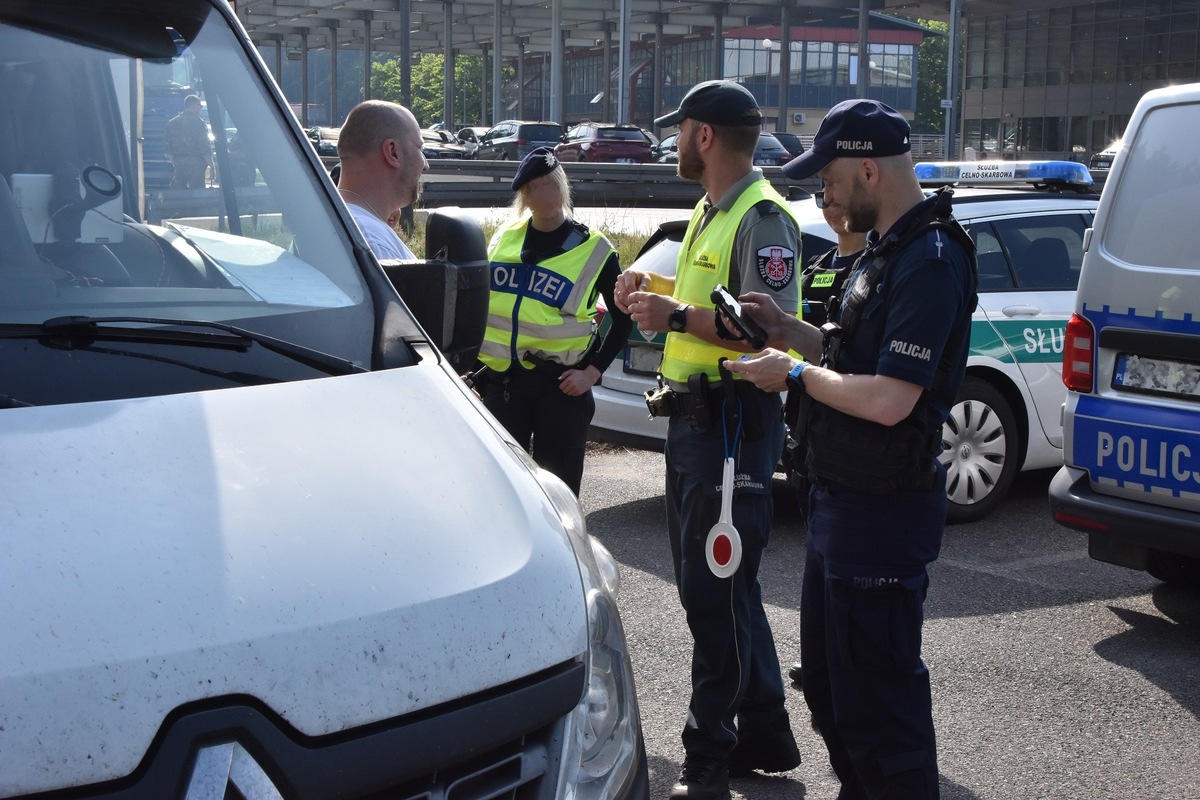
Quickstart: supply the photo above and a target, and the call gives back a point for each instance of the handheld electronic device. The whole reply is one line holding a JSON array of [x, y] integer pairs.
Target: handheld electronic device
[[750, 330]]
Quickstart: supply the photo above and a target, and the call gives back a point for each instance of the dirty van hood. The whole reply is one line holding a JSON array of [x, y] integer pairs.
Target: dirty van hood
[[345, 550]]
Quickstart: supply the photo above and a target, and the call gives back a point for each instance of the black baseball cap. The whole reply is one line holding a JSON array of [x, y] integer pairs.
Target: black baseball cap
[[852, 129], [539, 162], [717, 103]]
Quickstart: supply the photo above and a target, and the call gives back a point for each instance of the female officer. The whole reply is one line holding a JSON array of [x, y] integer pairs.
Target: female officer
[[541, 345]]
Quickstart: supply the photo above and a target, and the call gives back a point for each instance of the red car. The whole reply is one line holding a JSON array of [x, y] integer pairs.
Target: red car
[[596, 141]]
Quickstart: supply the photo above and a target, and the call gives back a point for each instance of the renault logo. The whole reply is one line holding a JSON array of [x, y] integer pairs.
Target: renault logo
[[228, 766]]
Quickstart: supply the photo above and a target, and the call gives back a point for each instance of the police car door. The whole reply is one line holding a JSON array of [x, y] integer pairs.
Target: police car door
[[1028, 270]]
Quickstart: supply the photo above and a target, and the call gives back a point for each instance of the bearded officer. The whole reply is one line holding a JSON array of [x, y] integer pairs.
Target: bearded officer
[[742, 235], [896, 353]]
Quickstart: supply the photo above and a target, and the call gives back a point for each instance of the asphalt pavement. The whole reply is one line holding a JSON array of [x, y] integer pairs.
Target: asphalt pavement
[[1054, 676]]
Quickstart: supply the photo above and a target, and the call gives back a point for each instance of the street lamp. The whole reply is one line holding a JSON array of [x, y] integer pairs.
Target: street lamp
[[768, 45]]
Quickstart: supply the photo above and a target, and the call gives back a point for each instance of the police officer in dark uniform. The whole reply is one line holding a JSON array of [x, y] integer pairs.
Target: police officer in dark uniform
[[822, 280], [541, 345], [741, 234], [895, 354]]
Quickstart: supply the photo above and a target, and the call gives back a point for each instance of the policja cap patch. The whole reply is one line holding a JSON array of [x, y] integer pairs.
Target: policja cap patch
[[852, 129]]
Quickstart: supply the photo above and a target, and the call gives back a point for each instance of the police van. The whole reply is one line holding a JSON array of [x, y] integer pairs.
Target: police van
[[1028, 221], [1131, 478], [259, 539]]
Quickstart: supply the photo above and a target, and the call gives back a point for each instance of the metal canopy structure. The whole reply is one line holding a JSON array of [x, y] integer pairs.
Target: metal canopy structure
[[470, 26], [516, 29]]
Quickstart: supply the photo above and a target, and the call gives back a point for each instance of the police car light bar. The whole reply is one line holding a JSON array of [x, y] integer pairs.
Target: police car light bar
[[1047, 173]]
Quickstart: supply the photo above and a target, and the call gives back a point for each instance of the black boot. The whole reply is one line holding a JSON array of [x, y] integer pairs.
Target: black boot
[[770, 749], [702, 779]]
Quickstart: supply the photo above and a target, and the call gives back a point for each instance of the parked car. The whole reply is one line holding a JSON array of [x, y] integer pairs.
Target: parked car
[[325, 140], [769, 152], [667, 150], [790, 141], [260, 540], [1131, 474], [440, 144], [470, 136], [1104, 159], [596, 141], [512, 140], [1006, 418]]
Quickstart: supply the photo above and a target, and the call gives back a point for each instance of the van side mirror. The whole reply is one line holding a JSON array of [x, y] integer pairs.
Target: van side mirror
[[448, 292]]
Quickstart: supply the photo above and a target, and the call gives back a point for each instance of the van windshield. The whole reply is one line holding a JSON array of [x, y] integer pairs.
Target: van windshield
[[147, 173]]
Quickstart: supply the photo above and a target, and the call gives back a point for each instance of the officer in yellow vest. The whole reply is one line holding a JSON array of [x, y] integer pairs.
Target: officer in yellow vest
[[541, 343], [741, 235]]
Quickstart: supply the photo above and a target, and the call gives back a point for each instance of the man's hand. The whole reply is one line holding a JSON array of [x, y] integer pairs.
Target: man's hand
[[628, 282], [784, 331], [768, 370], [651, 312]]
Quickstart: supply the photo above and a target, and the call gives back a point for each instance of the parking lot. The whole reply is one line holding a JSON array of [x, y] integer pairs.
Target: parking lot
[[1054, 676]]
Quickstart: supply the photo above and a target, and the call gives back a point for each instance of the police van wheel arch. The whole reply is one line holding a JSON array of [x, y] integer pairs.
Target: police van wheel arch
[[982, 451]]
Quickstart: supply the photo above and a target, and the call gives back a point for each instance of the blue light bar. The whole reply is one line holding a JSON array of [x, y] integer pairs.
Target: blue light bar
[[1059, 173]]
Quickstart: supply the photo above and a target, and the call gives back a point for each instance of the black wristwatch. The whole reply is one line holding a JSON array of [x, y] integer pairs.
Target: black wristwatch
[[678, 318]]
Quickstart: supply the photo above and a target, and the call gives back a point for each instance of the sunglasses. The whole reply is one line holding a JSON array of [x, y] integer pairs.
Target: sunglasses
[[819, 197]]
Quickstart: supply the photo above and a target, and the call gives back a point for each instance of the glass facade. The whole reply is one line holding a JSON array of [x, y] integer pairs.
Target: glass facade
[[823, 69], [1061, 82]]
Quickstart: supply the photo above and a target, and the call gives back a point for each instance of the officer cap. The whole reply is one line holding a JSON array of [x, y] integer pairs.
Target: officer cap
[[717, 103], [539, 162], [852, 129]]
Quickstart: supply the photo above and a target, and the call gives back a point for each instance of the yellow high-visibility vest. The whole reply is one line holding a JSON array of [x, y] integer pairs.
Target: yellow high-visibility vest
[[703, 265], [545, 309]]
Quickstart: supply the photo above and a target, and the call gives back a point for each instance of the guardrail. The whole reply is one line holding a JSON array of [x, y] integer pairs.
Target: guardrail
[[476, 183]]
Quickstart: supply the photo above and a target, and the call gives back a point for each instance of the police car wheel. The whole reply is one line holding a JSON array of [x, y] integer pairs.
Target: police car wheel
[[1173, 568], [980, 451]]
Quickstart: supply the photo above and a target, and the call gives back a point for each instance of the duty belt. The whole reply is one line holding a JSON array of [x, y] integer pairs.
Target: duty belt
[[705, 406]]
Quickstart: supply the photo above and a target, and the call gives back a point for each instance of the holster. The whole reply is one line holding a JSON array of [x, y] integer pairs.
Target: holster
[[703, 404]]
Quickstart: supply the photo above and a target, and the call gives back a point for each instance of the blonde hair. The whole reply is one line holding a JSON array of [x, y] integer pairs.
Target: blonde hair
[[520, 208]]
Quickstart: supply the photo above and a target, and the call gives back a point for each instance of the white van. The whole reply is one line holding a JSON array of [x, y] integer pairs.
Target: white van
[[1132, 356], [259, 539]]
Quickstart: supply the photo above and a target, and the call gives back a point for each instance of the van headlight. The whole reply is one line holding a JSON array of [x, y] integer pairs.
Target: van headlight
[[602, 748]]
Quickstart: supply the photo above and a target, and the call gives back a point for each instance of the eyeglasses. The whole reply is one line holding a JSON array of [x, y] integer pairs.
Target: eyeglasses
[[819, 197]]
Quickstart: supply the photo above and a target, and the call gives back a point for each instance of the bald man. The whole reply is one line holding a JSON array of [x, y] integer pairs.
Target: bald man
[[381, 165]]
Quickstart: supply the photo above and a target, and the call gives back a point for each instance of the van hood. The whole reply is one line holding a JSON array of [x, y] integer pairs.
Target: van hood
[[345, 550]]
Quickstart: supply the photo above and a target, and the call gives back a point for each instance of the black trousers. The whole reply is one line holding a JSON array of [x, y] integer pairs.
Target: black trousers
[[861, 614], [737, 686], [550, 425]]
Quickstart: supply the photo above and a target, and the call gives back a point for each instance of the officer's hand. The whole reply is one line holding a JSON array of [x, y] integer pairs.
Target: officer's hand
[[768, 370], [627, 283], [576, 382], [783, 329], [651, 312]]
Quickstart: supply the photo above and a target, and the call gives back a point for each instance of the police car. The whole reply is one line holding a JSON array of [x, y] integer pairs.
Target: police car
[[1028, 221]]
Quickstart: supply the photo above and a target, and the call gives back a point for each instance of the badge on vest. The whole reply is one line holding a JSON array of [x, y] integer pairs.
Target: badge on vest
[[706, 260], [776, 266]]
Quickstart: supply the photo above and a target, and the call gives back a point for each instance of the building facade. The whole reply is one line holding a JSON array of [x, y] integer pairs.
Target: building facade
[[1061, 82]]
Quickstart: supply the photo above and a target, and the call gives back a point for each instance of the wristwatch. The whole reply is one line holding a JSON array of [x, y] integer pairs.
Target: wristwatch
[[794, 383], [678, 319]]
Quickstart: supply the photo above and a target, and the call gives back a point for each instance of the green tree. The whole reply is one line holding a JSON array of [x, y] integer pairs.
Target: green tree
[[428, 87], [932, 65]]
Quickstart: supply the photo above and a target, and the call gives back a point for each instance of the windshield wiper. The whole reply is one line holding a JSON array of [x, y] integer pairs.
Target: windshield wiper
[[240, 339]]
